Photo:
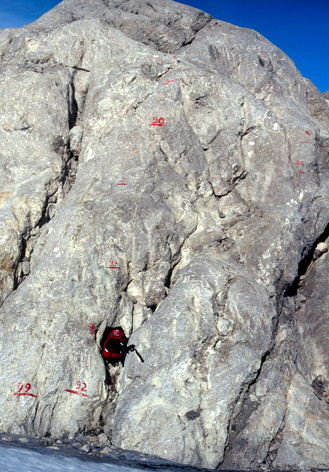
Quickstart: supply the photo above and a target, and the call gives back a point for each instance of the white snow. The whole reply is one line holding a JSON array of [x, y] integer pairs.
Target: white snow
[[17, 459]]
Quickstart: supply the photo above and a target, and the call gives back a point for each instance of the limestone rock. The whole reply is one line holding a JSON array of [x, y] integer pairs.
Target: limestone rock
[[192, 156], [326, 96]]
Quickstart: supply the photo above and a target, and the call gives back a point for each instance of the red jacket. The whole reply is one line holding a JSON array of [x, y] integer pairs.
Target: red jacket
[[115, 344]]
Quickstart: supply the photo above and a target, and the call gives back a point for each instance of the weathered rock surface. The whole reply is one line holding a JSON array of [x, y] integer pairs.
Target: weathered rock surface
[[326, 96], [213, 218]]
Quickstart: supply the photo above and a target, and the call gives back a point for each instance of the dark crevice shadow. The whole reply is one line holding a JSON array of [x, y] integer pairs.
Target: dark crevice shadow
[[304, 264]]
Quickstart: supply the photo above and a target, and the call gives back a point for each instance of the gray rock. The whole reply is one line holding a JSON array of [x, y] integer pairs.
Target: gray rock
[[106, 450], [85, 448], [44, 441], [103, 440], [207, 216]]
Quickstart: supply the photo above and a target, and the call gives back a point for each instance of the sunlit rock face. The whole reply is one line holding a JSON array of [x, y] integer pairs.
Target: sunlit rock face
[[326, 96], [165, 172]]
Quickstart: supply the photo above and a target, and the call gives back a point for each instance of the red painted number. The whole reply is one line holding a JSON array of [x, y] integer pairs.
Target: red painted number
[[78, 387], [157, 121], [92, 328], [20, 387], [114, 265], [122, 182], [300, 163], [273, 89]]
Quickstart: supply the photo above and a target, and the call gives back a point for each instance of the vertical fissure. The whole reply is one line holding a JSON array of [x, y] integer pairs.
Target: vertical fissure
[[305, 263], [61, 185]]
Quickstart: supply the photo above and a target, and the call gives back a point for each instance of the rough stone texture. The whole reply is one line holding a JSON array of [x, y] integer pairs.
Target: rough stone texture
[[326, 96], [291, 394], [212, 232]]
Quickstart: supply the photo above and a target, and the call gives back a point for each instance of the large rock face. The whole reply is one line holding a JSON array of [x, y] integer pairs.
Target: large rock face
[[213, 218]]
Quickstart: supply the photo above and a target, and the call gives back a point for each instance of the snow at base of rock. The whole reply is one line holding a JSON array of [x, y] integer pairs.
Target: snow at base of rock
[[12, 460]]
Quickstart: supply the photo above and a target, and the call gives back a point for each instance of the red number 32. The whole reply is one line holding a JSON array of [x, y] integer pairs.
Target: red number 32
[[79, 386]]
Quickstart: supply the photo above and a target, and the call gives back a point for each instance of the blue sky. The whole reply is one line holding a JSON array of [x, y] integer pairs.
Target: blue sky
[[299, 28]]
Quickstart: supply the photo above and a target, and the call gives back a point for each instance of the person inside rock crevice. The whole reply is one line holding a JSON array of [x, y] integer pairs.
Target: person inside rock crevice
[[114, 346]]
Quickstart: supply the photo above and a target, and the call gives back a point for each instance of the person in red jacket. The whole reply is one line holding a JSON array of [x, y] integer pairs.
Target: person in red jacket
[[114, 345]]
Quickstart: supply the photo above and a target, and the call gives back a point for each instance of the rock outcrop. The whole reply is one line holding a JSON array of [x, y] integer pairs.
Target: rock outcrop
[[326, 96], [192, 156]]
